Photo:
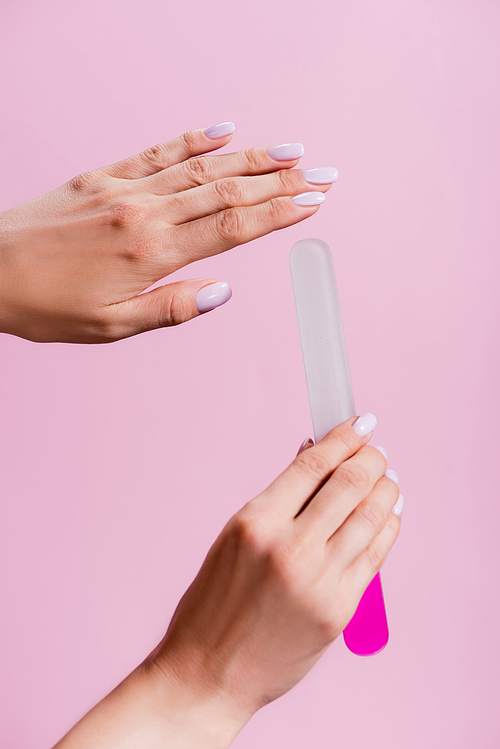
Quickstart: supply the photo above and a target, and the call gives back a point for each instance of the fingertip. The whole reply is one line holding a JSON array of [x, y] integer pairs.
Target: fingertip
[[309, 199], [398, 507], [222, 130], [213, 295], [365, 424]]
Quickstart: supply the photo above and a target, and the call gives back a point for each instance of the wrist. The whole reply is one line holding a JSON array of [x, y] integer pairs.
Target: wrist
[[195, 715], [154, 709]]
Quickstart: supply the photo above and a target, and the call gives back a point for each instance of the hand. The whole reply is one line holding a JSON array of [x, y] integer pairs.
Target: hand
[[280, 583], [73, 263], [285, 576]]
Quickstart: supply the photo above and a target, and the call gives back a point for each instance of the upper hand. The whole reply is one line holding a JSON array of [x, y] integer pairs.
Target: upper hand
[[73, 263]]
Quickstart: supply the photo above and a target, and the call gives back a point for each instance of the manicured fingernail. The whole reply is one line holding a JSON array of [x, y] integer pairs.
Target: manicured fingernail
[[286, 151], [325, 175], [305, 445], [219, 131], [381, 449], [365, 424], [392, 475], [212, 296], [309, 198], [398, 507]]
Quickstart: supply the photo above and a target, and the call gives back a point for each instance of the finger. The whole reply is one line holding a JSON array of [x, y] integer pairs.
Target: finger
[[231, 192], [164, 155], [348, 486], [361, 572], [364, 524], [167, 305], [205, 169], [235, 226], [311, 468]]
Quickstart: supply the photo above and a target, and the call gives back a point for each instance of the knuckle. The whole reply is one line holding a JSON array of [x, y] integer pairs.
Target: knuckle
[[329, 628], [352, 477], [314, 464], [394, 524], [229, 224], [82, 181], [278, 210], [178, 311], [253, 159], [198, 170], [190, 140], [287, 180], [229, 191], [375, 557], [249, 533], [154, 156], [372, 515], [126, 214]]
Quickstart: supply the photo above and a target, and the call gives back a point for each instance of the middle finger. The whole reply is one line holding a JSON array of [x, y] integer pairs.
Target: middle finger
[[204, 169]]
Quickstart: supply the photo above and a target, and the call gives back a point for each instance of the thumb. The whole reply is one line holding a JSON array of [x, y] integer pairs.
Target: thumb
[[168, 305]]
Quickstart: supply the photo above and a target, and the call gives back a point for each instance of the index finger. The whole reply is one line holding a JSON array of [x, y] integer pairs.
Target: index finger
[[298, 483], [156, 158]]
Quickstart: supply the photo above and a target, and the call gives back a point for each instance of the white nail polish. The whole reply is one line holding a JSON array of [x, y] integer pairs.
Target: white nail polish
[[324, 175], [381, 449], [392, 475], [309, 198], [398, 507], [365, 424], [219, 131], [286, 152], [213, 295]]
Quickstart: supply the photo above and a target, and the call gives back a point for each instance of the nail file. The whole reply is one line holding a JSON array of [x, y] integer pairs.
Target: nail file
[[331, 398]]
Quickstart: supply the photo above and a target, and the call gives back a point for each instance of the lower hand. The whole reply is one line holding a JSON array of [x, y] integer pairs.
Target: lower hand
[[280, 583], [285, 576], [73, 263]]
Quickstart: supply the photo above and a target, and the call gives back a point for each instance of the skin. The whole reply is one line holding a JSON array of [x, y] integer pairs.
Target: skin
[[287, 572], [280, 583], [73, 263]]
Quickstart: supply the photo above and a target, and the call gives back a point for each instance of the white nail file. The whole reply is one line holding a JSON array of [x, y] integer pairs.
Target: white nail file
[[321, 335], [331, 399]]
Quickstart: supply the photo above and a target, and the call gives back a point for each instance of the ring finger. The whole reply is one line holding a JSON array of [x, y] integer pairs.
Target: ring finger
[[231, 192], [364, 524]]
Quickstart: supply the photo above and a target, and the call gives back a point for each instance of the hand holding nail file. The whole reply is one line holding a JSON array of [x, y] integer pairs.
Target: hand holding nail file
[[331, 398]]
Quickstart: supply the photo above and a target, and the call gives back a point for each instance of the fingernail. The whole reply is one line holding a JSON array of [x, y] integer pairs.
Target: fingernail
[[286, 151], [219, 131], [398, 507], [381, 449], [392, 475], [305, 445], [309, 198], [213, 295], [324, 175], [365, 424]]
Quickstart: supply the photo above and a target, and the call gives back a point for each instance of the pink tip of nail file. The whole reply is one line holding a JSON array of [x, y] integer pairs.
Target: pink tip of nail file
[[331, 398]]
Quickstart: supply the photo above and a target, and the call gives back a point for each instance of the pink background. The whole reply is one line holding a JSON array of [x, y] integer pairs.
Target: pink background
[[121, 463]]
